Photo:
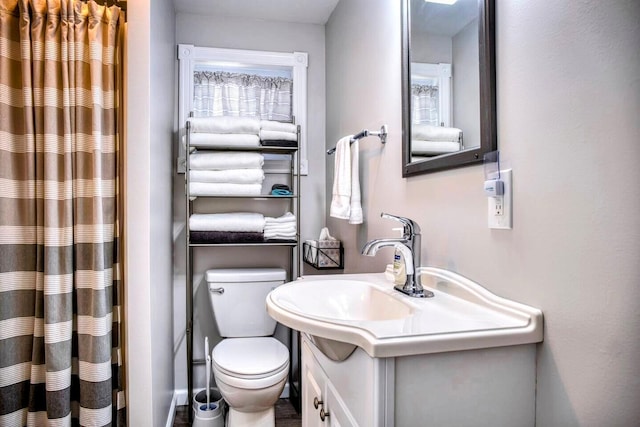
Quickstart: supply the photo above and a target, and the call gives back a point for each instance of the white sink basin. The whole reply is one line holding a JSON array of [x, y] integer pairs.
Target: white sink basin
[[341, 312], [342, 300]]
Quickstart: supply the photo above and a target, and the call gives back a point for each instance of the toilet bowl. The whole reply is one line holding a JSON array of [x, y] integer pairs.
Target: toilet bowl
[[250, 368]]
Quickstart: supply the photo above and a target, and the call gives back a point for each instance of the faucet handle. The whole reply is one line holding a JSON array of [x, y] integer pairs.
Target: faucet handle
[[410, 227]]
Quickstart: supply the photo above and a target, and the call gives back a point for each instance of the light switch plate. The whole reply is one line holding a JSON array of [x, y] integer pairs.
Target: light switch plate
[[500, 209]]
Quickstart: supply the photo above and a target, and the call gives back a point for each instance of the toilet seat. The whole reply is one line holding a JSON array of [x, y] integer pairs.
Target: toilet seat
[[250, 363]]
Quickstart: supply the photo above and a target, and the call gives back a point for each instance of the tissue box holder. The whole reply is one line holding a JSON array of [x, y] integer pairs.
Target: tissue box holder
[[323, 254]]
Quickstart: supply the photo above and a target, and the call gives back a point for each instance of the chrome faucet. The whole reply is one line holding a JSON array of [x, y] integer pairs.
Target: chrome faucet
[[409, 246]]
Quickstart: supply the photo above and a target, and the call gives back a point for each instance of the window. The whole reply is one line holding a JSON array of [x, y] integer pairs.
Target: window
[[220, 82]]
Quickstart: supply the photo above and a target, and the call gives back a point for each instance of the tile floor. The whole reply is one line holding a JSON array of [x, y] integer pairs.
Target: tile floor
[[286, 415]]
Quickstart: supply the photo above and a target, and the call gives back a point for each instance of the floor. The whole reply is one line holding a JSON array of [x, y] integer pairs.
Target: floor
[[286, 415]]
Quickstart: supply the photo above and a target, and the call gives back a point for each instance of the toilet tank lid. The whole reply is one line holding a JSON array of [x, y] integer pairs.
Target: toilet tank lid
[[232, 275]]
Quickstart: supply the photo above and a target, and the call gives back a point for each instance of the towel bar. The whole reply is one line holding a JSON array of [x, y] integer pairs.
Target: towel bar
[[382, 135]]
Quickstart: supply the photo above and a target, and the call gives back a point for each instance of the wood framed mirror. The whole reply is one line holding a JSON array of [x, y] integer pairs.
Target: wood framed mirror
[[448, 84]]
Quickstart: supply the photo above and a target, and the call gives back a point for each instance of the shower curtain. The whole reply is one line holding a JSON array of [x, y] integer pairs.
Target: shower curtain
[[60, 214]]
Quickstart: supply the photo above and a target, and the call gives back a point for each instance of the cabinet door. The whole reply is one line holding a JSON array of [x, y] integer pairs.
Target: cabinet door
[[313, 384], [339, 415]]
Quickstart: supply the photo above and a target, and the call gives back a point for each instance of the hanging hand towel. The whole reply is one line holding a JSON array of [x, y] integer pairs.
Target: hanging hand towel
[[341, 195], [355, 207]]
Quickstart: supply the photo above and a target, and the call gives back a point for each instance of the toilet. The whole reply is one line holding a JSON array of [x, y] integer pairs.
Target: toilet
[[250, 367]]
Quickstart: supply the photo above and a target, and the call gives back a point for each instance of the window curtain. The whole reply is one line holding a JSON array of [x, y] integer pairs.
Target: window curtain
[[425, 105], [60, 214], [218, 93]]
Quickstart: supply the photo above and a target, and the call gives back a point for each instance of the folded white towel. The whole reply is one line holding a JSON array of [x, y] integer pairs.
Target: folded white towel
[[275, 135], [345, 202], [225, 124], [283, 228], [226, 160], [231, 176], [432, 148], [278, 126], [269, 234], [223, 189], [435, 133], [235, 221], [208, 140], [291, 236], [284, 219]]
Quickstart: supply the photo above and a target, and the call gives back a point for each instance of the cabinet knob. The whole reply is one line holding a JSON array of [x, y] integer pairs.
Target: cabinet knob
[[317, 402], [323, 415]]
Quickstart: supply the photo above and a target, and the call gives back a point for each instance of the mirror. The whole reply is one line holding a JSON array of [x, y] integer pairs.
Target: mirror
[[448, 84]]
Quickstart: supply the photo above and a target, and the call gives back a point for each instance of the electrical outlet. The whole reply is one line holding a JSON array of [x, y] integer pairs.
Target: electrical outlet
[[500, 207]]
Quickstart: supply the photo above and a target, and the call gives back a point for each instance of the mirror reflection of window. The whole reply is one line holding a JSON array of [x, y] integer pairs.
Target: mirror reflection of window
[[431, 111], [425, 103]]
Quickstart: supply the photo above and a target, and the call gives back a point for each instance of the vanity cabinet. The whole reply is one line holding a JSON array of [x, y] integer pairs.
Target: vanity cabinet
[[491, 386]]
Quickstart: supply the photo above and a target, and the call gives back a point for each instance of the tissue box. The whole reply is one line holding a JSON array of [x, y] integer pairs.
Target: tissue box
[[323, 254]]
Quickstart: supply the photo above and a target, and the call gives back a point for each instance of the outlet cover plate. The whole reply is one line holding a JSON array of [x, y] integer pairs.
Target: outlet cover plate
[[502, 218]]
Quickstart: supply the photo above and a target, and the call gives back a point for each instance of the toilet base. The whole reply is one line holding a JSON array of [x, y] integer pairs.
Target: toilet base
[[266, 418]]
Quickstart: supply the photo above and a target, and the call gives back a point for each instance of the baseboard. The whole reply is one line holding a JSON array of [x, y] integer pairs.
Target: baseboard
[[180, 397], [172, 411]]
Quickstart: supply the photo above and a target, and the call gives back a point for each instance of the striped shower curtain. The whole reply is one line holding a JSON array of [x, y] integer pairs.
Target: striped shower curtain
[[60, 214]]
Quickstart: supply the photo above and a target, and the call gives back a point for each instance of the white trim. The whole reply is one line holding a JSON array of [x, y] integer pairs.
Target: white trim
[[188, 55], [171, 416]]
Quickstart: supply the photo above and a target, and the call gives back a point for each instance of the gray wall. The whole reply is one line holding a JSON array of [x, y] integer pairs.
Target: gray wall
[[149, 301], [568, 103]]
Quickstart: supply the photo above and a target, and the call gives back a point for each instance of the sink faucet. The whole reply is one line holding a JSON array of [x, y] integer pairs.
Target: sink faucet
[[409, 246]]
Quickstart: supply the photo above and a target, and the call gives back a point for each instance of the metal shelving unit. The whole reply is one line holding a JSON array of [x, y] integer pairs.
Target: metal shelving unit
[[295, 262]]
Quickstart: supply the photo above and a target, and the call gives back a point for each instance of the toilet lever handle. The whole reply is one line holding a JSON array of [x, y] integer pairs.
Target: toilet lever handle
[[217, 290]]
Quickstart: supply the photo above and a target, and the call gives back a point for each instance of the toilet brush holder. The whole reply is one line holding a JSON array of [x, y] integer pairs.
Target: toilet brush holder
[[214, 415]]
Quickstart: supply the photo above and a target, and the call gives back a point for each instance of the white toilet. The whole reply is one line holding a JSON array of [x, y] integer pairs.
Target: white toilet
[[250, 366]]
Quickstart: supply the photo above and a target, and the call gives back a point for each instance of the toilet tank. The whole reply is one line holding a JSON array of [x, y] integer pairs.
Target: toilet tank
[[238, 298]]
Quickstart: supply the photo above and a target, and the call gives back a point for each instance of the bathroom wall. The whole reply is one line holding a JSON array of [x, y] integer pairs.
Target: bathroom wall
[[239, 33], [568, 101], [150, 112]]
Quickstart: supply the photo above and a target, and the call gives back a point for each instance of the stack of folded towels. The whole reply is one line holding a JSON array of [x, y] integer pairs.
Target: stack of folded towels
[[241, 227], [226, 131], [278, 134], [225, 173], [429, 140], [281, 228]]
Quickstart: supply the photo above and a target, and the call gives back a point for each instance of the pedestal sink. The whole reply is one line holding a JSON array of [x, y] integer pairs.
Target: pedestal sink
[[342, 312]]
